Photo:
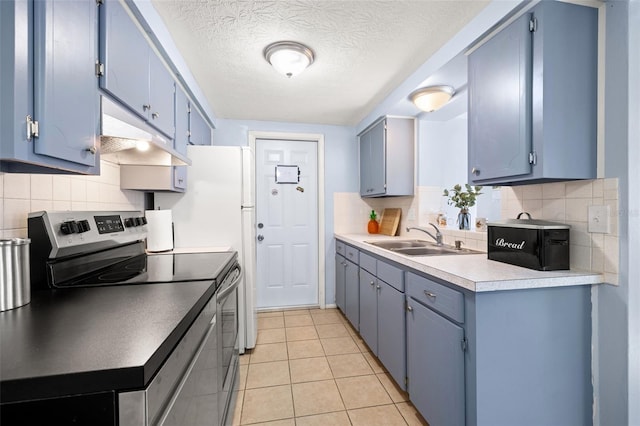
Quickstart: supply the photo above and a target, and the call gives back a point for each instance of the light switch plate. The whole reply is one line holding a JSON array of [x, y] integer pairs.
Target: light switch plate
[[599, 220]]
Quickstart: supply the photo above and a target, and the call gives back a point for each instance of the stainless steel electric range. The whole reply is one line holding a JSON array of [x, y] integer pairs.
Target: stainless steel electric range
[[107, 248]]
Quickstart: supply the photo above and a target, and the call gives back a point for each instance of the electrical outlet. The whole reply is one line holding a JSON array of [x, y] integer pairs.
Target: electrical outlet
[[599, 221]]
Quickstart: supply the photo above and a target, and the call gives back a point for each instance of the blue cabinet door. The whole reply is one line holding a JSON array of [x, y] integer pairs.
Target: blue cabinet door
[[181, 119], [391, 332], [352, 294], [500, 79], [435, 366], [161, 96], [65, 83], [180, 178], [377, 166], [341, 265], [365, 162], [369, 310], [125, 55], [199, 130], [16, 80], [372, 161]]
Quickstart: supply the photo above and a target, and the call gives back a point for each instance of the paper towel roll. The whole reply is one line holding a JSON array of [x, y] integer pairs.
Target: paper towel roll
[[159, 230]]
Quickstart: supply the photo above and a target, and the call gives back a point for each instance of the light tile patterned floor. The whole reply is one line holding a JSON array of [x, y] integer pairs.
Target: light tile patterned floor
[[310, 367]]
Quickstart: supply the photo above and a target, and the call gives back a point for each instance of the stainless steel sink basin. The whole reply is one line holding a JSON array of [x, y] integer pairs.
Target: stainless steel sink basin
[[391, 245], [419, 248], [433, 251]]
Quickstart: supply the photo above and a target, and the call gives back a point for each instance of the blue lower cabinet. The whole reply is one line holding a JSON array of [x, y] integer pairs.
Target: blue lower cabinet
[[341, 266], [369, 310], [382, 322], [391, 332], [435, 366], [352, 294], [499, 358]]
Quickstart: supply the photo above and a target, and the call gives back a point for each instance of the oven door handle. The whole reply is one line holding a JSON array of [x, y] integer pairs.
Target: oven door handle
[[232, 287]]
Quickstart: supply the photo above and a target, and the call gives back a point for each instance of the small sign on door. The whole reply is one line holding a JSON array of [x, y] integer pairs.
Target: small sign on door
[[287, 174]]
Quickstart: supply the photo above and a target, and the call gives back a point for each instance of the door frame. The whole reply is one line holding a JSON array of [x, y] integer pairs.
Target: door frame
[[318, 138]]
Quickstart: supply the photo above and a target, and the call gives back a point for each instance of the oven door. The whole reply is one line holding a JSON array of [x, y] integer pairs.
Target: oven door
[[228, 353]]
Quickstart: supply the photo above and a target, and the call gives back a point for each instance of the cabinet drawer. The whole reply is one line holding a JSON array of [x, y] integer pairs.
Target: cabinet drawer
[[351, 254], [368, 263], [390, 274], [447, 301], [341, 248]]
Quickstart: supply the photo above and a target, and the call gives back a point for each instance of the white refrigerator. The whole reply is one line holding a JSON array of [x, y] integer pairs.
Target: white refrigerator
[[217, 210]]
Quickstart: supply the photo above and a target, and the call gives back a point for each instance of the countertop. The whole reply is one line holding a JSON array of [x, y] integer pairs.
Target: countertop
[[475, 272], [95, 339]]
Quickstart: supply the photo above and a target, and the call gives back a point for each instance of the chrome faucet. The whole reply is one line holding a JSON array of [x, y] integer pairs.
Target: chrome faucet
[[437, 237]]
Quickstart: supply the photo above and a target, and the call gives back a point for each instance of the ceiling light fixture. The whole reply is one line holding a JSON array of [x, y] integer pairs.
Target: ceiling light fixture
[[288, 57], [432, 98]]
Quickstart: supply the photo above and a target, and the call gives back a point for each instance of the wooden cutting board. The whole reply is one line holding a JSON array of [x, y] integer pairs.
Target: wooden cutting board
[[390, 221]]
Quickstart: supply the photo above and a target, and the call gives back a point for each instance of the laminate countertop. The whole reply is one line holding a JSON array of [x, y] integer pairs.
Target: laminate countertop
[[86, 340], [474, 272]]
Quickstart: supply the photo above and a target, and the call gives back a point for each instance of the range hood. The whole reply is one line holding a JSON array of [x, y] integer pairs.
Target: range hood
[[127, 140]]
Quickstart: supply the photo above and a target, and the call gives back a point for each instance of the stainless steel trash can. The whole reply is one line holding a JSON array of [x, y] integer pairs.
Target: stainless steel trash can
[[15, 279]]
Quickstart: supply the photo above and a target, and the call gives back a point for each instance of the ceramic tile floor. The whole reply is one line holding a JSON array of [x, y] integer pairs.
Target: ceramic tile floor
[[310, 367]]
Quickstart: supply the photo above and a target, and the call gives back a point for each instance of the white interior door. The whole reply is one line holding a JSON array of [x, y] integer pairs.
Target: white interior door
[[287, 218]]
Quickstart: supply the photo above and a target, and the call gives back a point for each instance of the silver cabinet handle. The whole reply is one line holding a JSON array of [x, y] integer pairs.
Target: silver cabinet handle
[[92, 150], [146, 107], [372, 283], [429, 294], [155, 115], [378, 287], [260, 237], [475, 171], [409, 308]]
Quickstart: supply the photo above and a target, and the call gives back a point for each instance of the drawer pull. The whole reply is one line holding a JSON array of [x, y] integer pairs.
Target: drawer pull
[[409, 308], [378, 287], [372, 283], [429, 294]]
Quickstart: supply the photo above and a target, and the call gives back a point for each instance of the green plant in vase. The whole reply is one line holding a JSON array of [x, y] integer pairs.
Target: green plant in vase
[[462, 199]]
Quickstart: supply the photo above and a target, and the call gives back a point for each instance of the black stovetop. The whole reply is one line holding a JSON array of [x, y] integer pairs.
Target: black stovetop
[[159, 268]]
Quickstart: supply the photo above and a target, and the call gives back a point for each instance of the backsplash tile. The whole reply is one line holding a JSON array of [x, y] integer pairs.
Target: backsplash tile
[[564, 202], [24, 193]]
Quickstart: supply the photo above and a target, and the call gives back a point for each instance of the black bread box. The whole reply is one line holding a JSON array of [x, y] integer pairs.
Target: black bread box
[[533, 244]]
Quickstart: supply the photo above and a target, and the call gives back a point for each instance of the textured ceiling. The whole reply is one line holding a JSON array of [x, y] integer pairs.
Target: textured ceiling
[[364, 49]]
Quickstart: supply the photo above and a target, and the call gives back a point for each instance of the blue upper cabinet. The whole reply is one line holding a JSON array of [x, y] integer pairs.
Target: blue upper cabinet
[[133, 73], [48, 90], [533, 98], [199, 130], [181, 137], [386, 158]]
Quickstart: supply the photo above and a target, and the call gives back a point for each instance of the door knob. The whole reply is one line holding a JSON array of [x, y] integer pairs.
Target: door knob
[[260, 237], [260, 225]]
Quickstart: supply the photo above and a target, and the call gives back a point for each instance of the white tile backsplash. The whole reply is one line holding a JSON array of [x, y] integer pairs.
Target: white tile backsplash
[[61, 188], [41, 187], [564, 202], [24, 193], [17, 186]]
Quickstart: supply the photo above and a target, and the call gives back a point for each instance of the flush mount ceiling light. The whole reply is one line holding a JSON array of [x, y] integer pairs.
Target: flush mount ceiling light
[[431, 98], [288, 57]]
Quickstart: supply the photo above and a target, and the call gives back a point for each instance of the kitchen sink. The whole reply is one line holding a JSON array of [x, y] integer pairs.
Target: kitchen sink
[[420, 248], [392, 245]]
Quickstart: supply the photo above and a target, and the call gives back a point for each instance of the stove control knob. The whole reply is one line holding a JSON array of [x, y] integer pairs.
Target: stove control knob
[[144, 220], [138, 221], [83, 226], [129, 222], [69, 227]]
